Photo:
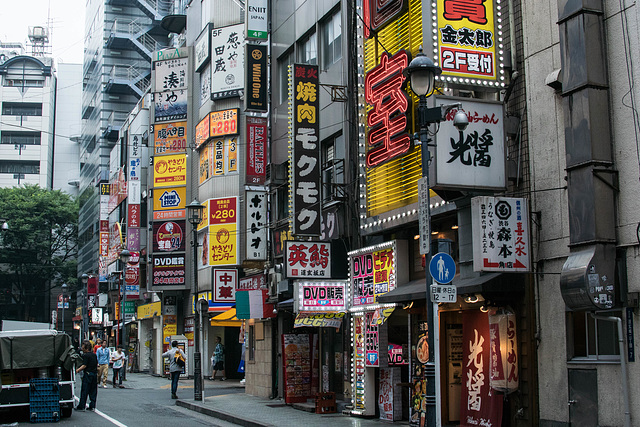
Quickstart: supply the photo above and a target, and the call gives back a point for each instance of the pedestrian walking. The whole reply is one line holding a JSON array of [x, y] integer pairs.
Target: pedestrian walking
[[104, 356], [217, 360], [89, 368], [98, 345], [174, 368], [118, 367]]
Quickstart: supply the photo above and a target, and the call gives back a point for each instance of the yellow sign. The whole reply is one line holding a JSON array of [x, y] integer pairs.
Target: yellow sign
[[170, 138], [169, 199], [223, 244], [170, 171], [232, 154], [205, 163], [148, 311], [169, 327]]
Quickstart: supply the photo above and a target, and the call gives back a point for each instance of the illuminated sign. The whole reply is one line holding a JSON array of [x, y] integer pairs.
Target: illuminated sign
[[168, 236], [308, 259], [373, 273], [170, 138], [170, 171], [322, 296], [223, 234], [467, 34], [168, 270], [202, 131], [305, 167], [204, 163], [387, 120], [224, 122], [256, 222], [378, 13]]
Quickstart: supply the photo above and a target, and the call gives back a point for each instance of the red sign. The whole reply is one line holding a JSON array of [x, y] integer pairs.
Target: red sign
[[387, 120], [225, 282], [478, 403], [256, 149], [92, 286], [377, 13], [133, 216], [252, 283], [222, 211], [104, 243], [168, 236]]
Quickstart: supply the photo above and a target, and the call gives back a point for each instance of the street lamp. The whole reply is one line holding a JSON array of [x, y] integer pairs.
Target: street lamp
[[124, 258], [64, 290], [195, 212], [422, 72], [85, 308]]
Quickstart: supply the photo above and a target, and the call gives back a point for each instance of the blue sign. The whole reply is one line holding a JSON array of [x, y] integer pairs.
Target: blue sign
[[442, 268]]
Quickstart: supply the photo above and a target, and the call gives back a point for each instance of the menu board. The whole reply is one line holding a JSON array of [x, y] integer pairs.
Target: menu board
[[297, 367]]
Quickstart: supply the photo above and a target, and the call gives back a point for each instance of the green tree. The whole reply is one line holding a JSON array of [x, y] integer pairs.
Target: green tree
[[39, 250]]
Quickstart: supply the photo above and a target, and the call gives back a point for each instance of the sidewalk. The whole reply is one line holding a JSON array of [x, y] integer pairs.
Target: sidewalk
[[246, 410]]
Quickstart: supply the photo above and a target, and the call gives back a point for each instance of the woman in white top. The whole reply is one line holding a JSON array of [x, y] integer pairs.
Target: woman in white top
[[117, 358]]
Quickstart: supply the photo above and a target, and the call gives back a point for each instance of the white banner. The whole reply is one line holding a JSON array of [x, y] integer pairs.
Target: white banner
[[256, 209], [227, 61]]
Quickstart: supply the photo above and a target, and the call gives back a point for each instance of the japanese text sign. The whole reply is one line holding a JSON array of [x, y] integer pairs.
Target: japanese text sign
[[359, 378], [387, 120], [467, 37], [475, 157], [256, 150], [168, 236], [256, 237], [170, 106], [224, 122], [252, 283], [318, 320], [171, 74], [308, 259], [225, 282], [170, 171], [202, 49], [371, 340], [322, 296], [204, 163], [118, 189], [223, 156], [202, 131], [306, 151], [223, 231], [170, 138], [168, 270], [227, 61], [373, 273], [500, 228], [504, 350], [134, 157]]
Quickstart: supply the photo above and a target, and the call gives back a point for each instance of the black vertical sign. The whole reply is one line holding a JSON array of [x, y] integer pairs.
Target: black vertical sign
[[256, 78], [306, 151]]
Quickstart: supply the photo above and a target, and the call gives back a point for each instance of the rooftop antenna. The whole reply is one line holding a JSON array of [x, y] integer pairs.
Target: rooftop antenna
[[39, 37]]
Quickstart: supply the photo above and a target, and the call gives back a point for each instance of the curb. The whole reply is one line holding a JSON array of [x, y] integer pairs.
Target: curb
[[225, 416]]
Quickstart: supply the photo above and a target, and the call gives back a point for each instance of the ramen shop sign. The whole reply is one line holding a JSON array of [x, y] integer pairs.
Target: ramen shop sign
[[387, 120]]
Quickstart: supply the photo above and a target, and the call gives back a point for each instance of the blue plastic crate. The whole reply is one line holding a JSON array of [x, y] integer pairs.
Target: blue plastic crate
[[44, 390], [44, 417]]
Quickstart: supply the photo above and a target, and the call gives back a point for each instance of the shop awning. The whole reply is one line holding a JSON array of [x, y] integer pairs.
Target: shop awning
[[417, 290], [226, 318]]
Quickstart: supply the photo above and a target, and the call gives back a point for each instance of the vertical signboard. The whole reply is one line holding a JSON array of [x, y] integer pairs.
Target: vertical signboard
[[256, 150], [202, 131], [256, 80], [256, 20], [373, 273], [225, 282], [227, 61], [223, 231], [256, 240], [171, 74], [305, 191], [467, 34], [202, 49], [500, 228]]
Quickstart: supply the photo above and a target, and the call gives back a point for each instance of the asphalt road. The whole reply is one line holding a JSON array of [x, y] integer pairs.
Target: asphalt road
[[148, 404]]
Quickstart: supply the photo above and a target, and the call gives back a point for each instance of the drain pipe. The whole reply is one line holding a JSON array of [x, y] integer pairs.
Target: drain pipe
[[623, 366]]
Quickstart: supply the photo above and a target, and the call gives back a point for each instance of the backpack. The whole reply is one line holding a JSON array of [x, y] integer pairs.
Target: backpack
[[179, 359]]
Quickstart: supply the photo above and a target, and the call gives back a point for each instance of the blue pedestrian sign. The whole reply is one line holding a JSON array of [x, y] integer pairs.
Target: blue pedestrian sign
[[442, 268]]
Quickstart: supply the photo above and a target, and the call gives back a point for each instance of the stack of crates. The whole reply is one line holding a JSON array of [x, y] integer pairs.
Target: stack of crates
[[326, 403], [44, 400]]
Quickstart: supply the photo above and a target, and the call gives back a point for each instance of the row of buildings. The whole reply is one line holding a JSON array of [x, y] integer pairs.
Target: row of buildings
[[293, 123]]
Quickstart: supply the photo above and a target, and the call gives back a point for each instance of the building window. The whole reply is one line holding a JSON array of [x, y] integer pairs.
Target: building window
[[332, 169], [591, 339], [20, 166], [23, 83], [308, 50], [332, 40], [21, 109], [20, 138], [283, 68]]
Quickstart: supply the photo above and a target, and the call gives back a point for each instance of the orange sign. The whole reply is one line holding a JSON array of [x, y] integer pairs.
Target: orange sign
[[224, 122], [202, 131]]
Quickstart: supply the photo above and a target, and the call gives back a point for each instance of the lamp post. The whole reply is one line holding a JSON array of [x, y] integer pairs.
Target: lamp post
[[64, 290], [195, 212], [422, 72], [85, 308], [124, 258]]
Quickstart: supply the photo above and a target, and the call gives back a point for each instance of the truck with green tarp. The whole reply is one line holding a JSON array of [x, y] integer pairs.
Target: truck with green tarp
[[26, 355]]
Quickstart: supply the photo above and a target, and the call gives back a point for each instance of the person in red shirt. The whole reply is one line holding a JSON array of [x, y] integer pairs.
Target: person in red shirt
[[98, 345]]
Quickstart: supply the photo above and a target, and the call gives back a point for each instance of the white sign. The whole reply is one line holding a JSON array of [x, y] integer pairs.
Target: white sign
[[96, 316], [257, 24], [256, 241], [423, 215], [475, 157], [227, 61], [225, 282], [500, 234], [308, 260], [171, 74], [202, 49], [135, 147], [205, 85], [443, 293]]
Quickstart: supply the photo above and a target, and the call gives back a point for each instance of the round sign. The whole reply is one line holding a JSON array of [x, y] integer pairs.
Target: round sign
[[169, 236], [442, 268]]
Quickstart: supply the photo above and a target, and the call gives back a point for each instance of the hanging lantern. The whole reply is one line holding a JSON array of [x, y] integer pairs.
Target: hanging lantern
[[504, 350]]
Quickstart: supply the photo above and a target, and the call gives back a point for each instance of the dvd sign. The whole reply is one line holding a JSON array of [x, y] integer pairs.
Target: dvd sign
[[168, 236]]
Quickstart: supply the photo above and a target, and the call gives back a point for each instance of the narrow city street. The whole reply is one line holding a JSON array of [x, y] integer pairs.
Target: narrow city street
[[145, 401]]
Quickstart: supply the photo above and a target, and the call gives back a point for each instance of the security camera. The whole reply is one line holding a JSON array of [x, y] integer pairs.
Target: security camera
[[460, 120]]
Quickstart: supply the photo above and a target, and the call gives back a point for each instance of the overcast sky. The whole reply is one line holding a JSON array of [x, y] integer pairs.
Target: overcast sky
[[66, 25]]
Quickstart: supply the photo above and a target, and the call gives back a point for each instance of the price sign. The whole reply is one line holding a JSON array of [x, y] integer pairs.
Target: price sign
[[223, 210], [224, 122], [443, 293]]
